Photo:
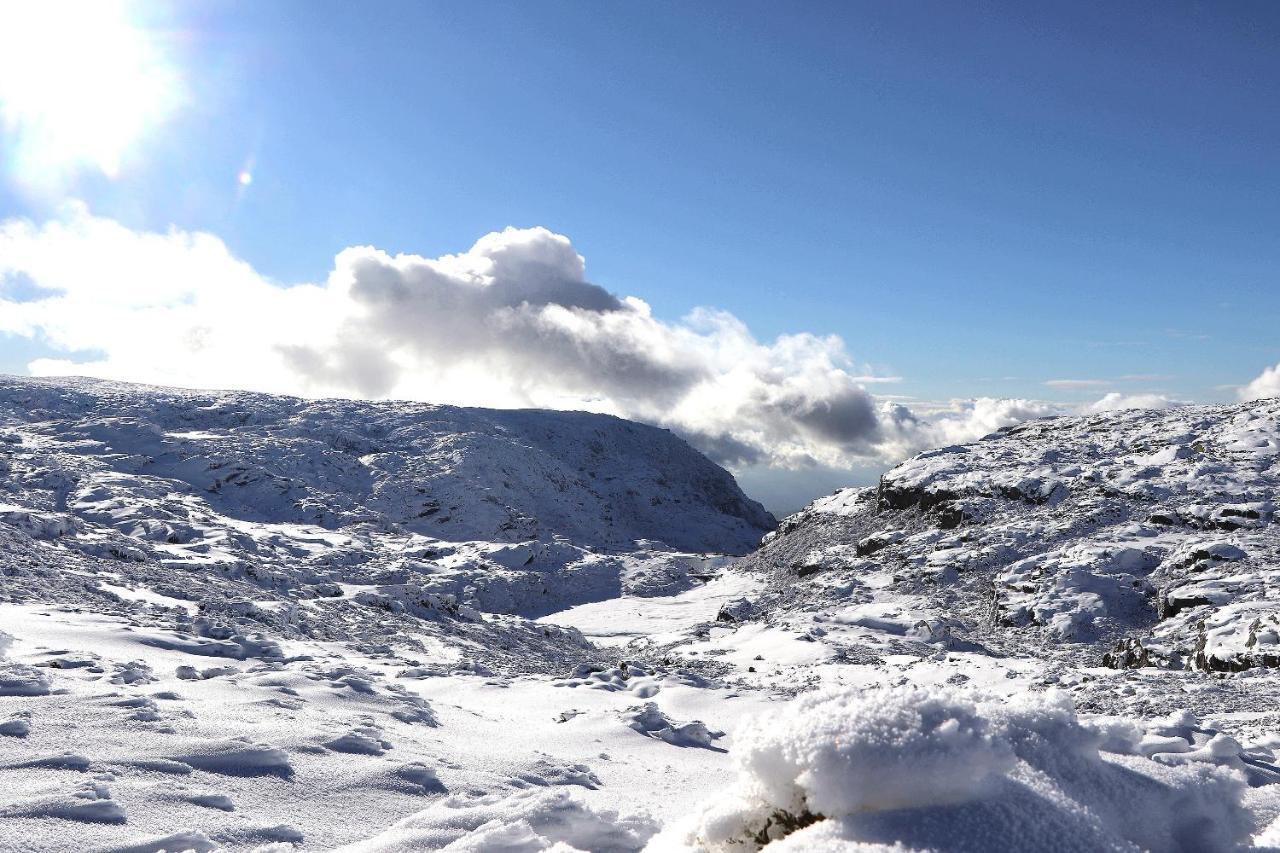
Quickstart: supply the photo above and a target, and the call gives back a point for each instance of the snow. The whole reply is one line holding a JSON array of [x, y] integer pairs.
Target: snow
[[516, 823], [622, 620], [148, 596], [945, 770], [1061, 637]]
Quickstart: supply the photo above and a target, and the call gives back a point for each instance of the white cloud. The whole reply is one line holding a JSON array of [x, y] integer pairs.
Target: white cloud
[[512, 321], [958, 422], [1116, 401], [1267, 384]]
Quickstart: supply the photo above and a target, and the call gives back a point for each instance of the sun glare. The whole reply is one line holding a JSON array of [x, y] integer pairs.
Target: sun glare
[[80, 83]]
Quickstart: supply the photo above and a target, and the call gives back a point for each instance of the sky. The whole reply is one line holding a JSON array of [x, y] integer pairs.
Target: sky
[[811, 238]]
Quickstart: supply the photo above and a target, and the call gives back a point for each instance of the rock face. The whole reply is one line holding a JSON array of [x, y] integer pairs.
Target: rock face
[[1135, 539], [150, 462]]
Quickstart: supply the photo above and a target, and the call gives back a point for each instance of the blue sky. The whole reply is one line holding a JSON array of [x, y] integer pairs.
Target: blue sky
[[978, 198]]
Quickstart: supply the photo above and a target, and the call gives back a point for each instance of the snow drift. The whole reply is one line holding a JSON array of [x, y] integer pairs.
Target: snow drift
[[909, 769]]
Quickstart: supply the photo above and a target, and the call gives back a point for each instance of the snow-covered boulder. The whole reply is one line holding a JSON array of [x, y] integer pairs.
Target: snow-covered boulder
[[915, 770]]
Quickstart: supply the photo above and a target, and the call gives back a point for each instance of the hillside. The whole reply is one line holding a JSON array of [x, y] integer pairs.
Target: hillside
[[1133, 539], [83, 446], [241, 622]]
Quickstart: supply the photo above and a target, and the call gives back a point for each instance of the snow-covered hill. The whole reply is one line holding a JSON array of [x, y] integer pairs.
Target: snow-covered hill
[[98, 450], [1125, 566], [1149, 535], [239, 622]]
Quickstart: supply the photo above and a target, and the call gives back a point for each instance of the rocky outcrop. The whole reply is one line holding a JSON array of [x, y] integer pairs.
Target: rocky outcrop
[[1149, 537]]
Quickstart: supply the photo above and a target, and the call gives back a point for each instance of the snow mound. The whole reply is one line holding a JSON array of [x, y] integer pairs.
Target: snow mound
[[90, 802], [528, 821], [842, 770], [238, 758], [19, 680], [648, 720]]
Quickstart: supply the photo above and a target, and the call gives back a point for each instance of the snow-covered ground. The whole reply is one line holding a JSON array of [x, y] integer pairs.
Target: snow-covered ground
[[246, 622]]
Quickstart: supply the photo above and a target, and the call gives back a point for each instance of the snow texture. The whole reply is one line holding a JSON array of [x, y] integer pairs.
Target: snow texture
[[239, 622], [939, 770]]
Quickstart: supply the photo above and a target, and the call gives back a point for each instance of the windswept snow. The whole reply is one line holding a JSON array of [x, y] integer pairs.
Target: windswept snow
[[238, 622], [167, 466], [936, 770]]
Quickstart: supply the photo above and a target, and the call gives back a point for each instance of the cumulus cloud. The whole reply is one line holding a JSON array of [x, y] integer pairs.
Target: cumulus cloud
[[1267, 384], [958, 422], [512, 321], [1115, 401]]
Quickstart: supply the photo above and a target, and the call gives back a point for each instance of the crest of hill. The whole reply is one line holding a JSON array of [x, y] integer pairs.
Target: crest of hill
[[448, 472], [1150, 535]]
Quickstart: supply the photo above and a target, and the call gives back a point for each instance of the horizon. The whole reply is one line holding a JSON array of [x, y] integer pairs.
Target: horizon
[[811, 241]]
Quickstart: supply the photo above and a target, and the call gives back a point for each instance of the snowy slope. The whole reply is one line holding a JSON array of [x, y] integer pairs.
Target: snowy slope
[[258, 620], [1150, 536], [1122, 567], [233, 622], [440, 471]]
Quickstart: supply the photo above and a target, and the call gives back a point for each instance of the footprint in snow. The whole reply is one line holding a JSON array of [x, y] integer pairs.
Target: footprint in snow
[[546, 772], [20, 680], [18, 725], [90, 802], [363, 739]]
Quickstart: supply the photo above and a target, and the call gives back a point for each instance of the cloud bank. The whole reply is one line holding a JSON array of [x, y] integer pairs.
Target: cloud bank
[[1267, 384], [512, 321]]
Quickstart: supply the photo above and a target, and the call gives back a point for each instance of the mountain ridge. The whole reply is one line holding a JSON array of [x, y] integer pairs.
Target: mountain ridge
[[542, 472]]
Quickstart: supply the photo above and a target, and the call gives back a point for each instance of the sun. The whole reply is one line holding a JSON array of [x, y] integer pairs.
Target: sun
[[80, 83]]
